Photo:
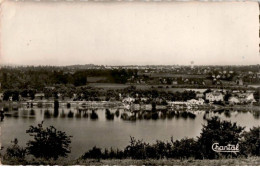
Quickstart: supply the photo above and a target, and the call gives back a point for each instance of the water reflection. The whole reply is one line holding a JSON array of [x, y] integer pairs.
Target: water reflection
[[56, 112], [122, 114], [117, 113], [98, 124], [109, 115], [85, 115], [93, 115], [62, 115], [47, 114], [70, 114], [32, 112]]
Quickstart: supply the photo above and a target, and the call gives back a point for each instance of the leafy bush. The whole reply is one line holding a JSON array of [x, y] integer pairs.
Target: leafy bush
[[250, 142], [217, 131], [48, 142], [185, 148], [136, 149], [94, 153], [15, 151]]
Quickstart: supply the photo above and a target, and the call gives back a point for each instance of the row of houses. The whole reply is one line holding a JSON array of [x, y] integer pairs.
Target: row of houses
[[235, 98], [191, 102], [242, 98]]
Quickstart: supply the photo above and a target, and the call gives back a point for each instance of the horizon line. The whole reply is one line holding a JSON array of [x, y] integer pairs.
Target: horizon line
[[91, 64]]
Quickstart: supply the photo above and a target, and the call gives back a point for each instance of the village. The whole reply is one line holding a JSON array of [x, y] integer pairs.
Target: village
[[132, 87], [203, 98]]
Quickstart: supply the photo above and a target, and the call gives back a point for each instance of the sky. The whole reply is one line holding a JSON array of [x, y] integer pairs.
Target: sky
[[129, 33]]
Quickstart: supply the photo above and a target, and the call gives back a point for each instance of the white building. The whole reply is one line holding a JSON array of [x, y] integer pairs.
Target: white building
[[233, 100], [214, 96], [196, 102], [39, 96], [246, 97], [242, 98], [128, 100], [177, 103]]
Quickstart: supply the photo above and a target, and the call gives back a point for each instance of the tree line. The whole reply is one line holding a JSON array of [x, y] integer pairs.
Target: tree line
[[39, 78]]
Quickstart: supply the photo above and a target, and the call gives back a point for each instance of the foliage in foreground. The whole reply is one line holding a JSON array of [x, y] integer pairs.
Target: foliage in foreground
[[216, 131], [50, 144], [47, 143]]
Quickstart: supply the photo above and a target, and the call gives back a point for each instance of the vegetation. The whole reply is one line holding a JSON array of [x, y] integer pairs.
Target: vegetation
[[217, 131], [40, 77], [52, 144], [15, 151], [48, 142], [222, 132], [250, 142]]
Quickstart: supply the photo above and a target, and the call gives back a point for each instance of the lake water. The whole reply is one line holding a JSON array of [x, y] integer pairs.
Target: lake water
[[105, 132]]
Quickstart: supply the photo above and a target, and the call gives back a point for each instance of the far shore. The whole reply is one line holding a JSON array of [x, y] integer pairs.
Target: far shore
[[120, 105]]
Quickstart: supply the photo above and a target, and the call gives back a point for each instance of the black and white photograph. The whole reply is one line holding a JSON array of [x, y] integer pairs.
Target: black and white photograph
[[129, 83]]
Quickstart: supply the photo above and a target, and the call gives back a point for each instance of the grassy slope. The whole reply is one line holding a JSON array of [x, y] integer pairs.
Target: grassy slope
[[252, 161]]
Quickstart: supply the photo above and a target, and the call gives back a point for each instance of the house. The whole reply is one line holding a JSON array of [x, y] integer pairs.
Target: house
[[177, 103], [196, 102], [174, 82], [240, 82], [144, 99], [242, 98], [233, 100], [128, 100], [49, 88], [258, 75], [246, 97], [214, 96], [39, 96]]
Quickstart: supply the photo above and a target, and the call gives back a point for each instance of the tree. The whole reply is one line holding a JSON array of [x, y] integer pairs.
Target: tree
[[48, 142], [227, 96], [257, 95], [94, 153], [217, 131], [250, 142]]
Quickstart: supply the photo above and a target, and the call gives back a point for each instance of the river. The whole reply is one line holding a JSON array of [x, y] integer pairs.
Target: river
[[106, 132]]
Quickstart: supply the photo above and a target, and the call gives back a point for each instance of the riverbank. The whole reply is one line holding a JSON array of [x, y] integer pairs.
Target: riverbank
[[251, 161], [243, 107], [85, 105]]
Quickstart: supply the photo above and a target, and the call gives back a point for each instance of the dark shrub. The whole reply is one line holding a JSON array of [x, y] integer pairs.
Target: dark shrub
[[94, 153], [15, 151], [151, 152], [48, 142], [250, 142], [185, 148], [216, 131], [136, 149]]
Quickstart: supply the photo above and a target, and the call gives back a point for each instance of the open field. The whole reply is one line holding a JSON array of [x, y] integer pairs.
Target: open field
[[171, 75], [251, 161], [114, 86], [165, 87]]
